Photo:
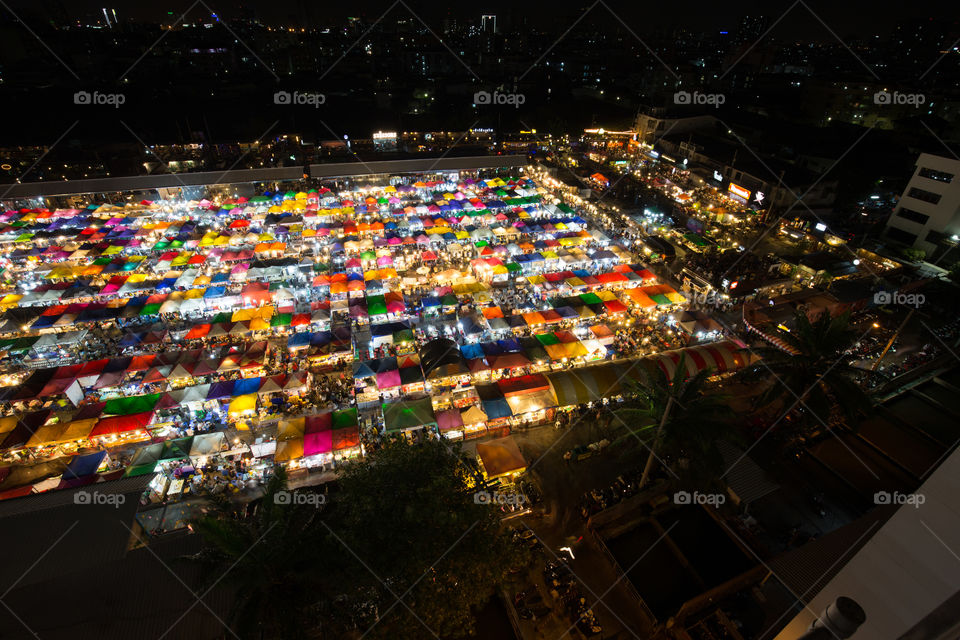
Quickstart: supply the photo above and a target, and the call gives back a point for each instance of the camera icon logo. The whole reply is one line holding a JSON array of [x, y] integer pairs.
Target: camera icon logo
[[882, 497], [482, 97], [82, 497], [282, 97], [282, 497], [682, 97], [482, 497], [82, 97], [682, 497], [882, 297], [882, 97]]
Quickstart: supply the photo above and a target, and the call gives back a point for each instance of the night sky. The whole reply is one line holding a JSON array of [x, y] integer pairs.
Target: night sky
[[847, 18]]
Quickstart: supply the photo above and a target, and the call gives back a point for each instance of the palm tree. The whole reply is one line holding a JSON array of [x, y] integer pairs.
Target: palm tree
[[817, 379], [689, 419], [272, 555]]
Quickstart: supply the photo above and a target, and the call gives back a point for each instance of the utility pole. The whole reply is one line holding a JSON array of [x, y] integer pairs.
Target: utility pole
[[892, 338], [653, 444]]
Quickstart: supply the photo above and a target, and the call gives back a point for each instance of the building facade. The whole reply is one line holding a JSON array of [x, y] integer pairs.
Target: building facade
[[928, 214]]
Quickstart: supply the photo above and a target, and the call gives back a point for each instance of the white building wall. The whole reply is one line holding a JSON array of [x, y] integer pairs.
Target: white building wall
[[944, 215]]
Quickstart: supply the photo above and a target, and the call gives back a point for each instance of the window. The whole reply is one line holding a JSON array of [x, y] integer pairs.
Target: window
[[912, 216], [933, 174], [923, 194], [901, 236], [935, 237]]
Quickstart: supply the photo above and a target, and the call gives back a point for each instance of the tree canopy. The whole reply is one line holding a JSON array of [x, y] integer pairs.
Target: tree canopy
[[400, 549]]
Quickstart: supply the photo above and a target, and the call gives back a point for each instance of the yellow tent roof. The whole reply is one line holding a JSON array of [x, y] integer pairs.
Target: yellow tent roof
[[243, 404], [291, 429], [289, 450]]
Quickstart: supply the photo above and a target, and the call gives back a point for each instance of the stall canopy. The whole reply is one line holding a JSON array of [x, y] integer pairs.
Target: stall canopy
[[410, 414], [441, 358], [500, 457], [206, 444]]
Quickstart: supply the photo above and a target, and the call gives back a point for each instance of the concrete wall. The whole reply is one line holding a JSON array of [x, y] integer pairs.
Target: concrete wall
[[277, 174]]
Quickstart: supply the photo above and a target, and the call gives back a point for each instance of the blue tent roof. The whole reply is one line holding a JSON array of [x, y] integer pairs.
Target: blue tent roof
[[220, 390], [471, 351], [298, 340], [510, 345], [246, 385], [82, 466], [496, 408], [492, 349]]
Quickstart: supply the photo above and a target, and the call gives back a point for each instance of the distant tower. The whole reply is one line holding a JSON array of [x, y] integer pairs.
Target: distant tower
[[488, 23]]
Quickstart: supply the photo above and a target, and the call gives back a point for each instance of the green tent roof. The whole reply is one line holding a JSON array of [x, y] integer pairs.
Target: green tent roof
[[177, 448], [140, 469], [590, 298], [660, 299], [151, 309], [547, 338], [128, 405], [398, 416], [345, 418], [376, 305], [281, 320]]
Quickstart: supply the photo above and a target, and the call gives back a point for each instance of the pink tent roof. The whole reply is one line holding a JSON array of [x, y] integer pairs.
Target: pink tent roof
[[449, 419], [388, 379], [317, 442]]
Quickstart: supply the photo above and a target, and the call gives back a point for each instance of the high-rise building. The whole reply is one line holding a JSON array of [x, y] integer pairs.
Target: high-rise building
[[928, 214], [488, 23]]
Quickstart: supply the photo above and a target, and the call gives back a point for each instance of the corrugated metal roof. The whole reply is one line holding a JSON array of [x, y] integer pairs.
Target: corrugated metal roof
[[744, 477]]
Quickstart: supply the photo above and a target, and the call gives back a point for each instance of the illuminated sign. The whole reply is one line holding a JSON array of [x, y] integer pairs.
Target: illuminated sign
[[821, 227], [718, 176], [384, 135], [737, 190], [759, 196]]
